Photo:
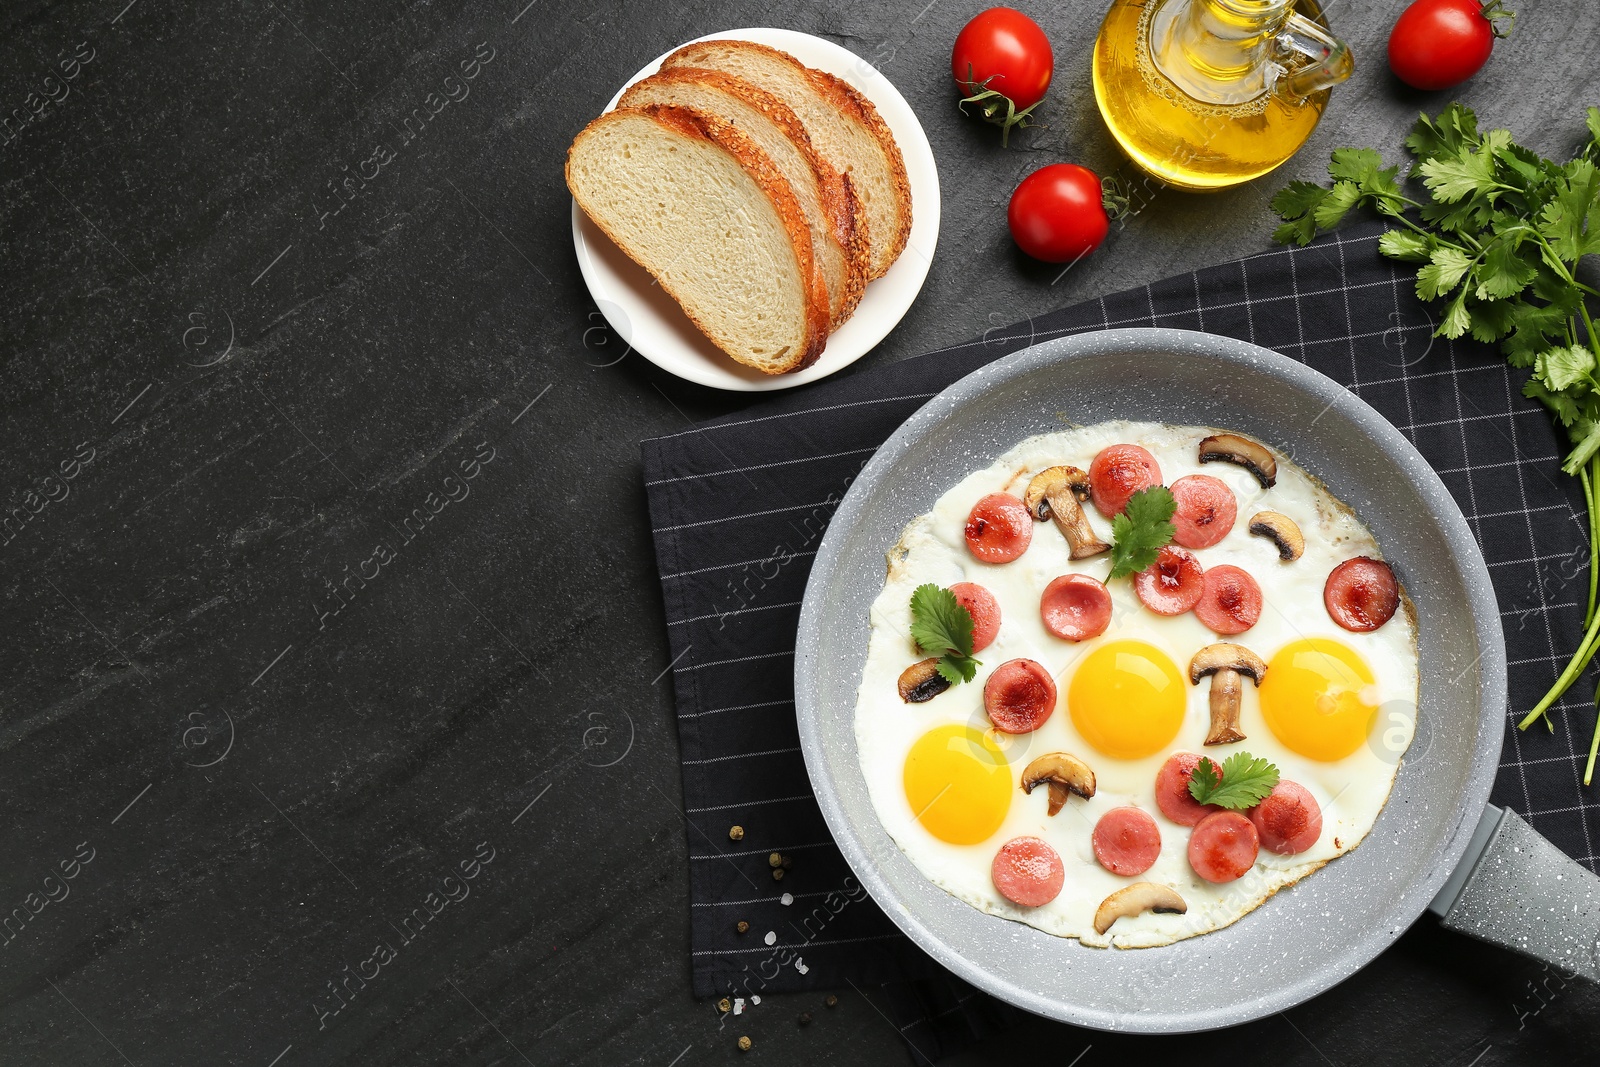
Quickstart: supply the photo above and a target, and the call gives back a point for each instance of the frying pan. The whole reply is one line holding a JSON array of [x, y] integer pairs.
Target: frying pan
[[1437, 843]]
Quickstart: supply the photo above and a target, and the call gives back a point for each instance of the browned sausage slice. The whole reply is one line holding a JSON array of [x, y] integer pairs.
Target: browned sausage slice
[[1019, 696], [1289, 820], [999, 528], [1075, 607], [1223, 846], [1361, 594], [1172, 790], [1028, 872], [1126, 841]]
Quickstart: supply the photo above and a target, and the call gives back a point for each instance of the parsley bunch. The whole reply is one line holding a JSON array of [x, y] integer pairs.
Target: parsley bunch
[[1498, 232]]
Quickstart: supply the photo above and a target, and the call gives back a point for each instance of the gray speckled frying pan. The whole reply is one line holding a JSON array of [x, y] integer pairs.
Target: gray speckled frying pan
[[1436, 842]]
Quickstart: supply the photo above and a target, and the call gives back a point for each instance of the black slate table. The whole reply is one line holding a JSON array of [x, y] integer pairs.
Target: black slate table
[[333, 661]]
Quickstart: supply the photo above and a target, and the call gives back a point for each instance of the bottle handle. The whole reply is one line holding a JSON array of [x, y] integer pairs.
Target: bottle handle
[[1329, 59]]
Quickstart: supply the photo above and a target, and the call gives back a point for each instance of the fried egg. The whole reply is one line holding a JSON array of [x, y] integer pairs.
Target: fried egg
[[1335, 709]]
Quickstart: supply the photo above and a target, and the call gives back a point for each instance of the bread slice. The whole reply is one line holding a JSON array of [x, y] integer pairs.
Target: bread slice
[[842, 124], [832, 209], [701, 207]]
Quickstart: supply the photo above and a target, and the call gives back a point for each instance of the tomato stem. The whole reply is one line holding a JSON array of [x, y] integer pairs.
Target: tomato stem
[[990, 99], [1114, 197], [1494, 14]]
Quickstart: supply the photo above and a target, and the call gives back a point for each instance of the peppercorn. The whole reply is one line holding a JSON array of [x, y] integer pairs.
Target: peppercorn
[[787, 862], [742, 926], [775, 860], [735, 833], [777, 874], [831, 1001], [805, 1018], [724, 1005], [744, 1044]]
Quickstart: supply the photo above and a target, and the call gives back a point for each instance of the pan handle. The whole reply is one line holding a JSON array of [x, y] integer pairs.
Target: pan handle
[[1517, 890]]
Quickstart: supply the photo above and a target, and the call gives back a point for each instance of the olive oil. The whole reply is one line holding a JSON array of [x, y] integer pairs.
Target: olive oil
[[1204, 94]]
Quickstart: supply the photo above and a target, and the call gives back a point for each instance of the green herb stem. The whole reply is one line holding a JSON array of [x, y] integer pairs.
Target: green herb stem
[[1575, 666], [1591, 637], [1588, 483], [1594, 742]]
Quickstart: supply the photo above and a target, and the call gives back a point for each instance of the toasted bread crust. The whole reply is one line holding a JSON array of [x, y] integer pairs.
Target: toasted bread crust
[[699, 126], [840, 204], [850, 226], [848, 99], [849, 102]]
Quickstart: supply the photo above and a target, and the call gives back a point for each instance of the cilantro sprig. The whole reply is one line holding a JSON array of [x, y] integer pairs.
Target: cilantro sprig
[[1497, 233], [1142, 530], [1242, 782], [942, 627]]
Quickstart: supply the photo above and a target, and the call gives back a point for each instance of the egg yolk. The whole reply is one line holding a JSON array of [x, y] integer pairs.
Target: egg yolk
[[1317, 698], [1127, 699], [958, 783]]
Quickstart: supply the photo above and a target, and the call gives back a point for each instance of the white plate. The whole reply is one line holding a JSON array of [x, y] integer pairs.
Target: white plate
[[653, 325]]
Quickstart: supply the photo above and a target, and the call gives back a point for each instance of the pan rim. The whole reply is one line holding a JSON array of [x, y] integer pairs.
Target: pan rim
[[1463, 556]]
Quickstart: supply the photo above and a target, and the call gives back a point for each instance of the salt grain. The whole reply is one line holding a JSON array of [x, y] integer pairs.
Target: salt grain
[[786, 899], [771, 938]]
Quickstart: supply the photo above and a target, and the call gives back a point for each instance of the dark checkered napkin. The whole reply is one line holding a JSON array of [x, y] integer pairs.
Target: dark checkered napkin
[[739, 504]]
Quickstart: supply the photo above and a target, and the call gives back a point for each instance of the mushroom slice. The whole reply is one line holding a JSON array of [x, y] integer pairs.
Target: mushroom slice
[[1226, 663], [1136, 899], [1064, 773], [1251, 455], [1282, 531], [1054, 493], [922, 681]]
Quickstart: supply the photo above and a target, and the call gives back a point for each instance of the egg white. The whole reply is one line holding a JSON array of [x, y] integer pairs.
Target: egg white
[[932, 548]]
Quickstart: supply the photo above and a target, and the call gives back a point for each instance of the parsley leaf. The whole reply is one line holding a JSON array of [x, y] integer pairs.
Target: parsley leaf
[[1142, 530], [1446, 136], [1403, 244], [1364, 167], [1243, 781], [1571, 221], [1447, 266], [942, 627], [1563, 368], [1296, 203], [1504, 271]]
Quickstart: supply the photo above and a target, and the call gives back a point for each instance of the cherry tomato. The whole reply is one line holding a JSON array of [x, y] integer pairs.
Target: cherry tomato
[[1436, 44], [1058, 213], [1005, 51]]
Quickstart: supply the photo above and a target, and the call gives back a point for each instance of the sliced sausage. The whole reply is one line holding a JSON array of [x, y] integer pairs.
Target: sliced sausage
[[1075, 607], [1206, 510], [985, 612], [1172, 584], [1126, 841], [999, 528], [1230, 600], [1289, 820], [1028, 872], [1361, 594], [1019, 696], [1119, 471], [1172, 791], [1224, 846]]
